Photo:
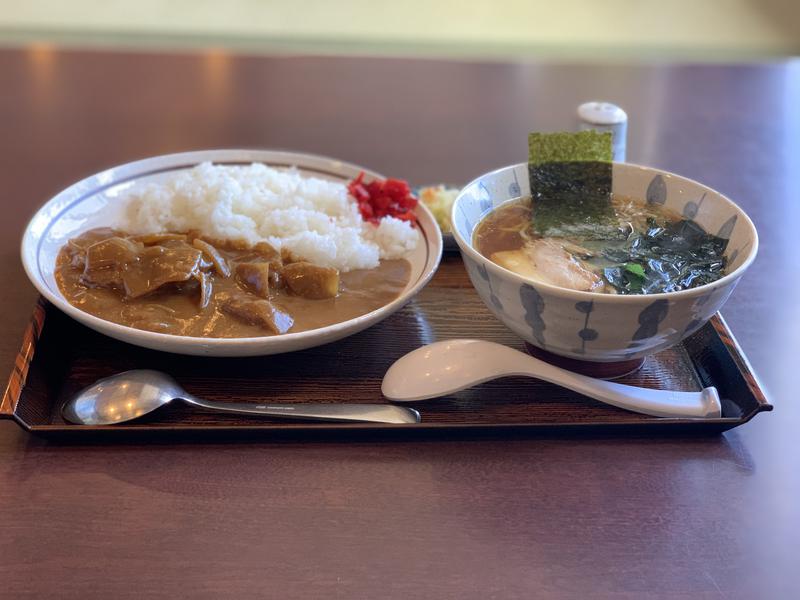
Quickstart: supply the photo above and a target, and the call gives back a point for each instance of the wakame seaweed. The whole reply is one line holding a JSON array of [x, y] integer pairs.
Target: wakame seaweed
[[667, 258], [570, 178]]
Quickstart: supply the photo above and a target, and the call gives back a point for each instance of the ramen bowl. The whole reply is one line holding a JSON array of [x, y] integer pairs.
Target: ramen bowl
[[598, 327]]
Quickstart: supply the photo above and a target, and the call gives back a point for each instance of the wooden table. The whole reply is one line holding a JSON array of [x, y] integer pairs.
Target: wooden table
[[522, 518]]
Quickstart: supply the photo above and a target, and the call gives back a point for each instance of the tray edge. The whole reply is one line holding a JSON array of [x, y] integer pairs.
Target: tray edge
[[22, 363], [725, 334]]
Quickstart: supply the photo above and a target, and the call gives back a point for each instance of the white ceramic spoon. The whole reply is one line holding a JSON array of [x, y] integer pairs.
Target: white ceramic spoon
[[447, 367]]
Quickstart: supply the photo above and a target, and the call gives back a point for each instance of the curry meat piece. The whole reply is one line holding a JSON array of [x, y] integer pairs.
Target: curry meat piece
[[258, 312], [204, 279], [220, 264], [159, 265], [105, 261], [255, 277]]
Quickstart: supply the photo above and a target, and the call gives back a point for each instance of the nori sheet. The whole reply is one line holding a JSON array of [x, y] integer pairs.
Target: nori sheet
[[566, 146], [571, 176]]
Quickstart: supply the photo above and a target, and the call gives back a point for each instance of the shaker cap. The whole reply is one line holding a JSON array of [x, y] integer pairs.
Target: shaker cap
[[601, 113]]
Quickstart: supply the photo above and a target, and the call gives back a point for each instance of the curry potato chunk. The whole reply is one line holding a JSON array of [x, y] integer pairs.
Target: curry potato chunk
[[311, 281]]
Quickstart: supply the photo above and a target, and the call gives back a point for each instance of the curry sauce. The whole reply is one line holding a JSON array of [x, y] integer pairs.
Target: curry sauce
[[184, 284]]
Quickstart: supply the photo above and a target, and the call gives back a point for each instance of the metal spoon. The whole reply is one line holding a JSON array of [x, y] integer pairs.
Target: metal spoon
[[131, 394], [447, 367]]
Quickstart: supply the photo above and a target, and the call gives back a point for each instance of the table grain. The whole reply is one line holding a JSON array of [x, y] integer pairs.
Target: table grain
[[571, 517]]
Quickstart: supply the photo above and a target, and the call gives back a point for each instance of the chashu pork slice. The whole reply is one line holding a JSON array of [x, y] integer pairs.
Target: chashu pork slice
[[546, 260]]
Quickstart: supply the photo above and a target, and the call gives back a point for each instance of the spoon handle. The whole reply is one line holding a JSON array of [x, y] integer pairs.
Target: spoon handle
[[658, 403], [372, 413]]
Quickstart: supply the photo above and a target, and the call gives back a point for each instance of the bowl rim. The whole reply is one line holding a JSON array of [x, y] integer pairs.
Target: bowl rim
[[724, 281], [431, 237]]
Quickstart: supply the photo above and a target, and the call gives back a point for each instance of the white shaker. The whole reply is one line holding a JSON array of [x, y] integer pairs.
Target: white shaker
[[604, 116]]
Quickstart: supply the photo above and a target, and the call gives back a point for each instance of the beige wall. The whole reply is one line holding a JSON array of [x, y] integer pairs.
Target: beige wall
[[696, 27]]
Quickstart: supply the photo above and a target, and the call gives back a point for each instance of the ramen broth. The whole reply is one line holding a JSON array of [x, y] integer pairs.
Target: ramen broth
[[652, 250]]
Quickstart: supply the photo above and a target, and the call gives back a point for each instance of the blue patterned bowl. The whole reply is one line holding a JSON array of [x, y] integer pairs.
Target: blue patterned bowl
[[603, 327]]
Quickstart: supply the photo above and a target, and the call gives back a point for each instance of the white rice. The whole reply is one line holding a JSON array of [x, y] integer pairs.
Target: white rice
[[315, 219]]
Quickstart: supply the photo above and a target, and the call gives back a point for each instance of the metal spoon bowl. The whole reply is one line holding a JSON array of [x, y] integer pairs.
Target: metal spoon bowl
[[132, 394]]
